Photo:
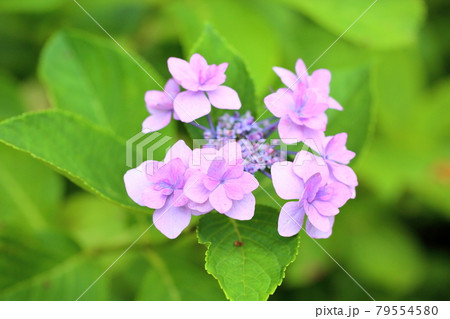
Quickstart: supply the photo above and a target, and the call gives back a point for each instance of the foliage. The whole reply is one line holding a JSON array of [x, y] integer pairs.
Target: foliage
[[389, 71]]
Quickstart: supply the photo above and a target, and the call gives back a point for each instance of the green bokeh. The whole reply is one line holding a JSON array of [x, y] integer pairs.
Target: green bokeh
[[391, 73]]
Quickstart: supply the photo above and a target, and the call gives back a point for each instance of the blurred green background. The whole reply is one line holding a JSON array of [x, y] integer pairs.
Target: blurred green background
[[55, 238]]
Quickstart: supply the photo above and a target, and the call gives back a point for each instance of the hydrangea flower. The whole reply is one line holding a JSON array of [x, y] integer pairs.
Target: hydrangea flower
[[301, 112], [160, 106], [159, 185], [318, 197], [220, 174], [319, 81], [257, 153], [336, 156], [219, 182], [203, 84]]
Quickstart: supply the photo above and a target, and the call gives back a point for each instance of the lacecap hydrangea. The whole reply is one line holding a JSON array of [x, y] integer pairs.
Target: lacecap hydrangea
[[219, 175]]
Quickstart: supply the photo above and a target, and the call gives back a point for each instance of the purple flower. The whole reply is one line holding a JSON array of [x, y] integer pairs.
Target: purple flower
[[257, 152], [159, 185], [319, 198], [301, 112], [160, 106], [218, 181], [319, 81], [336, 156], [198, 78]]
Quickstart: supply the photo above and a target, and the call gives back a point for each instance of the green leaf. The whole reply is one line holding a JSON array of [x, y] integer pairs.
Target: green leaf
[[96, 79], [96, 223], [386, 25], [46, 266], [216, 50], [176, 273], [300, 37], [397, 100], [10, 102], [29, 6], [91, 157], [223, 14], [351, 88], [253, 269], [22, 201]]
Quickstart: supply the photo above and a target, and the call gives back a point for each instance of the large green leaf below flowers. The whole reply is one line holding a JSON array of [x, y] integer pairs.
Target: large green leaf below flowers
[[248, 258]]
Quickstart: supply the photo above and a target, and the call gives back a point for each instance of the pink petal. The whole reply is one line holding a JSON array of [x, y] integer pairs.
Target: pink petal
[[183, 73], [232, 153], [287, 77], [172, 171], [224, 98], [171, 220], [352, 192], [210, 183], [203, 157], [280, 103], [217, 168], [194, 188], [153, 198], [290, 133], [222, 67], [287, 185], [307, 164], [317, 144], [340, 194], [312, 186], [302, 71], [158, 100], [156, 121], [336, 143], [319, 221], [333, 104], [172, 89], [290, 220], [191, 105], [313, 232], [198, 63], [313, 108], [320, 80], [295, 118], [337, 151], [179, 198], [234, 190], [216, 77], [233, 172], [200, 209], [243, 209], [136, 180], [179, 150], [248, 182], [219, 200], [325, 208], [344, 174], [318, 122]]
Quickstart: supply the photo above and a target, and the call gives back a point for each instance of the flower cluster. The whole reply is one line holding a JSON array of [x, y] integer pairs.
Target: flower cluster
[[220, 175], [257, 152]]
